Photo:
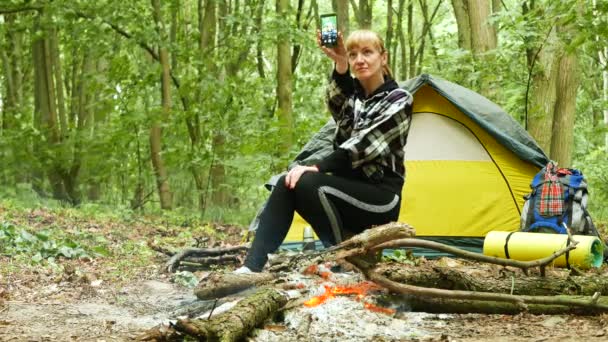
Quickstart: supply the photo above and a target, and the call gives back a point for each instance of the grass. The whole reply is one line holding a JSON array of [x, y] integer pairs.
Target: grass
[[113, 244]]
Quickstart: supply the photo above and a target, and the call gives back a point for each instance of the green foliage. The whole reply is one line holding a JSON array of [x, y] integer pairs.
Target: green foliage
[[49, 244], [225, 93], [401, 256]]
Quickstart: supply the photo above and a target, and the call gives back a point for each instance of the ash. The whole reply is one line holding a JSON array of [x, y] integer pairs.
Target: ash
[[344, 318]]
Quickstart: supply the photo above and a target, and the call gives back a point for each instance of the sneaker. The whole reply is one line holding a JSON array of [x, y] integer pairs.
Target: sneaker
[[242, 270]]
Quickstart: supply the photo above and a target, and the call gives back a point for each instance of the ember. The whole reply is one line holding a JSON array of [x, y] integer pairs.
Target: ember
[[359, 290], [322, 272]]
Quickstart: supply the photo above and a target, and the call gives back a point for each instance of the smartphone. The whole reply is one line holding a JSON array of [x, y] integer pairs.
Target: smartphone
[[329, 30]]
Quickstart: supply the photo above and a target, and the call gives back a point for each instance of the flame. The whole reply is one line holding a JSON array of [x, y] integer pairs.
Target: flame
[[376, 308], [318, 300], [359, 291]]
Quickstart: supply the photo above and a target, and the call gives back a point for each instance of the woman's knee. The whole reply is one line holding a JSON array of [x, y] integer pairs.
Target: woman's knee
[[309, 181]]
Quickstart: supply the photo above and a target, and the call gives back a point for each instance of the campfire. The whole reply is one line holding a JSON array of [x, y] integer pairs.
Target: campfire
[[344, 300], [359, 291]]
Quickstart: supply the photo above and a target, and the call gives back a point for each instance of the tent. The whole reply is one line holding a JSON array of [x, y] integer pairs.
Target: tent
[[468, 165]]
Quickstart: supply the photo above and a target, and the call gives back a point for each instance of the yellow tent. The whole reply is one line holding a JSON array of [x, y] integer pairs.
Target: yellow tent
[[468, 164]]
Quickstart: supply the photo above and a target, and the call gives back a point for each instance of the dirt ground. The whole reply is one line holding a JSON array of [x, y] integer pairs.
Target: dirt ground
[[120, 297], [35, 307]]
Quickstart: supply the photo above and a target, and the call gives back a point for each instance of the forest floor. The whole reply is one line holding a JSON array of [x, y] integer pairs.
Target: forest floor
[[121, 294]]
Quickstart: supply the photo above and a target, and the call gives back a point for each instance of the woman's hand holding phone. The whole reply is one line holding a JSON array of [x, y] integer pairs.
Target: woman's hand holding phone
[[337, 53]]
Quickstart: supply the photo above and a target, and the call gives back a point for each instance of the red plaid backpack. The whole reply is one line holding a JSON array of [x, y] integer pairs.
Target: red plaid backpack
[[558, 200]]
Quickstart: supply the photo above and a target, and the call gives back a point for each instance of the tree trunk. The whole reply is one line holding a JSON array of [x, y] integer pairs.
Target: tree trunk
[[496, 6], [295, 55], [543, 94], [483, 40], [160, 170], [363, 13], [553, 101], [82, 123], [173, 29], [603, 64], [219, 194], [11, 60], [284, 83], [604, 61], [342, 13], [207, 23], [562, 136], [461, 13], [402, 66], [389, 30], [425, 27], [97, 117], [525, 9], [410, 39], [46, 113], [259, 14], [58, 76], [483, 35]]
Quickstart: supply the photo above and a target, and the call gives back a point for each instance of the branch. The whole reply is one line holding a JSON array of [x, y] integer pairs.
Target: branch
[[9, 10], [524, 265], [175, 260], [470, 295], [359, 244]]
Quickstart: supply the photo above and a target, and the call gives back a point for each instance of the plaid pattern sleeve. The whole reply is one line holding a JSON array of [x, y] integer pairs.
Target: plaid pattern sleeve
[[340, 101], [378, 138]]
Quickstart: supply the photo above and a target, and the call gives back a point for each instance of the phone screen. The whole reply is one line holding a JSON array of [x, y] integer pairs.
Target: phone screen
[[329, 30]]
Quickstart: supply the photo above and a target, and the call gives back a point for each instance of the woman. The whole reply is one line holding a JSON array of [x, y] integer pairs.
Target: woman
[[359, 184]]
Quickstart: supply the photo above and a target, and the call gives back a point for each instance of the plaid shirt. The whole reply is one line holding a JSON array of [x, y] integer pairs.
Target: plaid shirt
[[374, 129]]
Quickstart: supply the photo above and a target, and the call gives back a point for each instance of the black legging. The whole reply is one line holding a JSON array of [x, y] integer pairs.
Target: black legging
[[329, 203]]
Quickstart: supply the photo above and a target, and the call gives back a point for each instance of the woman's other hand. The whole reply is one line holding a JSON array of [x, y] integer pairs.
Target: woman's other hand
[[293, 176], [337, 53]]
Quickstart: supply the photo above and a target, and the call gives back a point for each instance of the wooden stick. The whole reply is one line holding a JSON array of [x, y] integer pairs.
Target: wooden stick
[[524, 265]]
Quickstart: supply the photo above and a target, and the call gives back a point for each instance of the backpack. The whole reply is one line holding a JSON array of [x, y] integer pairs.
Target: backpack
[[558, 200]]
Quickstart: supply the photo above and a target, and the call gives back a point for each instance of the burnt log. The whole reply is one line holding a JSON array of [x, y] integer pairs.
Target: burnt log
[[481, 279], [218, 285], [235, 324], [588, 303], [454, 306]]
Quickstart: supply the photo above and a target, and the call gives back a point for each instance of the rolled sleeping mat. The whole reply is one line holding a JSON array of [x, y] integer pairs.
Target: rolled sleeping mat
[[524, 246]]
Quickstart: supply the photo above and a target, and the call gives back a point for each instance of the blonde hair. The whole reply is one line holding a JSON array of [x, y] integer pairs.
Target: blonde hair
[[359, 36]]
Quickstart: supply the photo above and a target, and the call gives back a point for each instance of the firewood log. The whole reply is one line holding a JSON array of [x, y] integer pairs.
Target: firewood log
[[218, 284]]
